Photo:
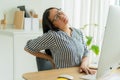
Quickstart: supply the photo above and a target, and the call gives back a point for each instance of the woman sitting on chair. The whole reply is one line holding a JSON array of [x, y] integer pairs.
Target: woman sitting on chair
[[65, 43]]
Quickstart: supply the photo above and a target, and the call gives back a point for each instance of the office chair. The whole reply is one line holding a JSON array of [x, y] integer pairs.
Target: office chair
[[45, 64]]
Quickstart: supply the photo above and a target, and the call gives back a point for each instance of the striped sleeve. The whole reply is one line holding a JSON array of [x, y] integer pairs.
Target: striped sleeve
[[46, 41]]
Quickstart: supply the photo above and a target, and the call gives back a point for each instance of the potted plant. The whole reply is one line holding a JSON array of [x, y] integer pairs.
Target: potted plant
[[89, 40], [93, 48]]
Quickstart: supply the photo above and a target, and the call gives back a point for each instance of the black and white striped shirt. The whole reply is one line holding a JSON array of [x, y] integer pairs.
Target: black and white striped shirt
[[66, 51]]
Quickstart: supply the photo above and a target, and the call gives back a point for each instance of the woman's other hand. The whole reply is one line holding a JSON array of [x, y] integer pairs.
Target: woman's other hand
[[85, 68]]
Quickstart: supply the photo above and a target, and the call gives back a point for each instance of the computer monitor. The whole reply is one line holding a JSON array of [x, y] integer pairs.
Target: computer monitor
[[110, 52]]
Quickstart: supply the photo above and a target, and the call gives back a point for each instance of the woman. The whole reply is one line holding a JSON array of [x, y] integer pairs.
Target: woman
[[65, 43]]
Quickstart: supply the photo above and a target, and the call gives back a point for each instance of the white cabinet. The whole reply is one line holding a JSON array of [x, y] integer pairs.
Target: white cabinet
[[6, 57], [14, 61]]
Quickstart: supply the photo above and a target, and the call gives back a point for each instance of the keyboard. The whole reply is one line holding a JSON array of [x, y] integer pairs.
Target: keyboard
[[88, 77]]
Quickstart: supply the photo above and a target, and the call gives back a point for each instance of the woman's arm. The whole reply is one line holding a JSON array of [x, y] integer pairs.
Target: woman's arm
[[42, 55], [39, 54]]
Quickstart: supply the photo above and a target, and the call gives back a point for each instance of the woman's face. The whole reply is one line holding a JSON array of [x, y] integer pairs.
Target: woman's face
[[58, 18]]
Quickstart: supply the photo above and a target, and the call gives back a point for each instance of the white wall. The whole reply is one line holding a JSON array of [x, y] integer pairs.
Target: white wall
[[68, 9], [9, 7]]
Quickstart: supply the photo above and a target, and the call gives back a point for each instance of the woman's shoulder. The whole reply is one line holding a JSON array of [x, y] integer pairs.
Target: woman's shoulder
[[76, 30], [52, 33]]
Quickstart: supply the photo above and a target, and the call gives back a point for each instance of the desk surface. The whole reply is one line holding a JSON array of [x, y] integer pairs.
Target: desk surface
[[53, 74]]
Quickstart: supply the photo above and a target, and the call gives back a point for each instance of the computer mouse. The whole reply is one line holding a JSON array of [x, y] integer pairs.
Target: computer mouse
[[67, 76]]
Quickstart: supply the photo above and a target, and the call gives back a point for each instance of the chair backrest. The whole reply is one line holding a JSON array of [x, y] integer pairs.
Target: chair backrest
[[43, 64]]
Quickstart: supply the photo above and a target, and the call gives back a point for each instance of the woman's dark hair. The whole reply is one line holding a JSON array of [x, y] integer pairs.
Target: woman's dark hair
[[48, 25]]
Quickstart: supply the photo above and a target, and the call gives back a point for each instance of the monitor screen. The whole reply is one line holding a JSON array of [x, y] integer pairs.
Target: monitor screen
[[110, 52]]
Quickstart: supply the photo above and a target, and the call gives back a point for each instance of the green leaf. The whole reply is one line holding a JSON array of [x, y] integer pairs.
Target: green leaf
[[89, 40], [95, 49]]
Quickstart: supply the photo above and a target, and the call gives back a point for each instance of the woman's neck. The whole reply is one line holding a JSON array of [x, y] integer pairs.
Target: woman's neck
[[67, 29]]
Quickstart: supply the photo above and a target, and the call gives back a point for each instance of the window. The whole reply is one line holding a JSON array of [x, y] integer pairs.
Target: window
[[89, 12]]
